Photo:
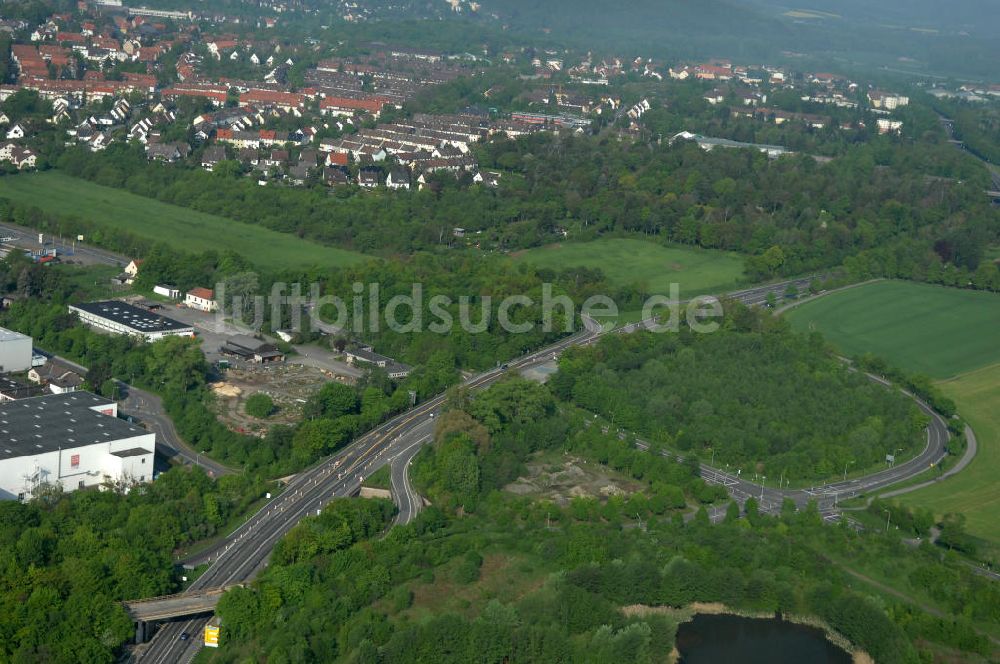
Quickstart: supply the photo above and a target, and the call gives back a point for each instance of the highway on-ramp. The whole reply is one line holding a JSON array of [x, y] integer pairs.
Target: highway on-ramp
[[241, 556], [245, 552]]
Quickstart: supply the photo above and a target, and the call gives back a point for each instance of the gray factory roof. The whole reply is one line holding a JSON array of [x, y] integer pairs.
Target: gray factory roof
[[10, 335], [140, 320], [43, 424]]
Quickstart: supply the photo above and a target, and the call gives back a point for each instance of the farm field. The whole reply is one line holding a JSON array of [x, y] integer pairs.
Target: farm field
[[950, 335], [180, 227], [933, 330], [975, 491], [627, 261]]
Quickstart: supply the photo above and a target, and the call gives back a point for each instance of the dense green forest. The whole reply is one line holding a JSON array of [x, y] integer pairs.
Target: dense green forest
[[483, 576], [66, 560], [755, 396]]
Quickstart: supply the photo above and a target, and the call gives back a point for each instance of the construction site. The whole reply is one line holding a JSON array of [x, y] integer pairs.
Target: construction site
[[288, 385]]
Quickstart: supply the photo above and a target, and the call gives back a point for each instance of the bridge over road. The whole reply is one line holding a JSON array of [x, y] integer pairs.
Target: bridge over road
[[168, 607]]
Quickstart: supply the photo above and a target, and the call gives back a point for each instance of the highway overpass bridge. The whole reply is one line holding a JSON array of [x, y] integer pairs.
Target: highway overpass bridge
[[168, 607]]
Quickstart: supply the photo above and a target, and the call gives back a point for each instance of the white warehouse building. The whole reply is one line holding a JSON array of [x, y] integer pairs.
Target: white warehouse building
[[15, 351], [75, 440], [123, 318]]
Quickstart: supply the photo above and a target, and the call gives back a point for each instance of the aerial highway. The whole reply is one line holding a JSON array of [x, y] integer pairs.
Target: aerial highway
[[407, 499], [244, 553], [241, 556]]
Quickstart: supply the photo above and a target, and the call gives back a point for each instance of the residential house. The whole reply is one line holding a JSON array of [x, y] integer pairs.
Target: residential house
[[58, 376], [168, 152], [398, 178], [212, 155], [16, 132], [335, 177], [369, 178], [487, 178], [132, 270], [202, 299], [299, 173]]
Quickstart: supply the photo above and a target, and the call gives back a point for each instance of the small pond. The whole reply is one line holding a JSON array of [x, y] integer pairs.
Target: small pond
[[714, 639]]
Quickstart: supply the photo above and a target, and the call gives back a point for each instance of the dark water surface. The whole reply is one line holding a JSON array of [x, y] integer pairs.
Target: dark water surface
[[723, 639]]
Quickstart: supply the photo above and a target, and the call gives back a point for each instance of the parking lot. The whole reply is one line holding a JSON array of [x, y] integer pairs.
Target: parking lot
[[214, 331]]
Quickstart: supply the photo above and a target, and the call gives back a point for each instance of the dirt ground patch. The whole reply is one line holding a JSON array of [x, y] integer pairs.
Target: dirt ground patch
[[288, 386], [561, 478]]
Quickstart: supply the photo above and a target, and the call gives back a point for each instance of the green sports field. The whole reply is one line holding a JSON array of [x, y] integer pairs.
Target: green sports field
[[627, 261], [180, 227], [937, 331]]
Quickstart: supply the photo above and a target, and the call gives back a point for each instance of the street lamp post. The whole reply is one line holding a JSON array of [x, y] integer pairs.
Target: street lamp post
[[846, 464], [763, 478], [888, 516]]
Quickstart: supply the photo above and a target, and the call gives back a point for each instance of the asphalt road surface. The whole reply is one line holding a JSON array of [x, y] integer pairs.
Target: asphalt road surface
[[827, 496], [27, 238], [406, 498], [245, 552], [148, 409]]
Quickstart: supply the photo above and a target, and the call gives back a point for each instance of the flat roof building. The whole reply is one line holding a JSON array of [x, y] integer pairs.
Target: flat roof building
[[122, 318], [74, 440], [15, 351]]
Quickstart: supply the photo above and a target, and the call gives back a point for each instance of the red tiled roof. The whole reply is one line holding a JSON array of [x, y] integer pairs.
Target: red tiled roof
[[272, 97], [203, 293]]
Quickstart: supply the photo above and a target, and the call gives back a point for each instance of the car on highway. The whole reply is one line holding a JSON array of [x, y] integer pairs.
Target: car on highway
[[185, 636]]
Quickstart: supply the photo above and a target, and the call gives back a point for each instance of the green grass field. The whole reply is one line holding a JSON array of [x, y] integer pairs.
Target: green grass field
[[181, 228], [937, 331], [975, 491], [628, 261], [948, 334]]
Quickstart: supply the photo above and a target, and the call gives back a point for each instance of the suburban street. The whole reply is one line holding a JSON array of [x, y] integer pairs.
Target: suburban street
[[241, 556]]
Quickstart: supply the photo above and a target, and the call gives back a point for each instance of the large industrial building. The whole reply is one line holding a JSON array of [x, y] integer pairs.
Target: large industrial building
[[15, 351], [123, 318], [75, 440]]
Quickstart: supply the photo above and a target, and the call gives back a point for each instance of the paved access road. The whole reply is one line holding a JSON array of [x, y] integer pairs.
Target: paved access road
[[27, 238], [148, 409], [827, 496], [245, 552]]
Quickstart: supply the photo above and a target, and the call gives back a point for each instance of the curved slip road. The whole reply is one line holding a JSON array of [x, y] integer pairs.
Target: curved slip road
[[244, 553]]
